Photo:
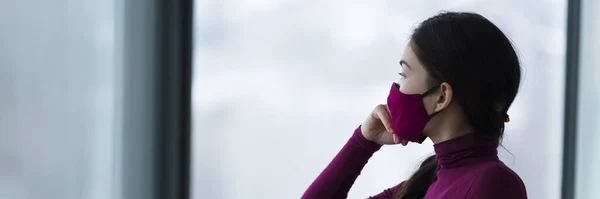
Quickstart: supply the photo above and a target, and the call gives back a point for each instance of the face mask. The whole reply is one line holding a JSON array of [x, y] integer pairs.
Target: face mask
[[409, 116]]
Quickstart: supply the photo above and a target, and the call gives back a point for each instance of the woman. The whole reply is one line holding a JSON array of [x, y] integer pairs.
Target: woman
[[460, 74]]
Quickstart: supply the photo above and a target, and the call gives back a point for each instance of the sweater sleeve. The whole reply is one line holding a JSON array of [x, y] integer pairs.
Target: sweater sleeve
[[339, 176], [498, 182]]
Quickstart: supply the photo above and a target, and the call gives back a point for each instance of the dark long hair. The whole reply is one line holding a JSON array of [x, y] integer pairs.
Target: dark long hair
[[473, 55]]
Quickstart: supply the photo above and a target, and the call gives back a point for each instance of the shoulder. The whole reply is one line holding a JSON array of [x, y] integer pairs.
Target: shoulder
[[497, 181]]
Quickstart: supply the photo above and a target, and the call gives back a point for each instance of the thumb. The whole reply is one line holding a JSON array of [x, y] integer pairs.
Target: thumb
[[396, 139]]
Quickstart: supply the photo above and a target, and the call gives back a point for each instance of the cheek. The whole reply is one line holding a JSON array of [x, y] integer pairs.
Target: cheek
[[409, 86], [404, 87]]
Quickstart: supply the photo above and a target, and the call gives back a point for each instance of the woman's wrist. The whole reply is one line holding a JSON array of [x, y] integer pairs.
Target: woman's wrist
[[359, 138]]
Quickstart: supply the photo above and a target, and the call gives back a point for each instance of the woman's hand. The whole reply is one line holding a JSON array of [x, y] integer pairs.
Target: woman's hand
[[378, 127]]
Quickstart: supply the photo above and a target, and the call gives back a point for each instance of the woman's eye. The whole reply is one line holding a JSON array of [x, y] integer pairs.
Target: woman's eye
[[402, 75]]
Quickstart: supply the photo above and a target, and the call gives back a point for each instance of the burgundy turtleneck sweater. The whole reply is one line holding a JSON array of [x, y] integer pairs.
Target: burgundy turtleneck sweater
[[469, 168]]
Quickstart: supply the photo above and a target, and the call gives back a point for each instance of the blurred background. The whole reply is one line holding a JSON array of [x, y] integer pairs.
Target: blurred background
[[98, 98], [280, 85]]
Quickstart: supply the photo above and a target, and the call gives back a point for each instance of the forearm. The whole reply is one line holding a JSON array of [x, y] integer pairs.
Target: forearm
[[338, 177]]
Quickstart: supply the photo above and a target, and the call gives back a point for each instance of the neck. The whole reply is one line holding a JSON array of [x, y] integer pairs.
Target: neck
[[450, 129], [445, 136]]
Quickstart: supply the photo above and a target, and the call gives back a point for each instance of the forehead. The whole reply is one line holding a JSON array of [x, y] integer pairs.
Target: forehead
[[408, 52], [411, 59]]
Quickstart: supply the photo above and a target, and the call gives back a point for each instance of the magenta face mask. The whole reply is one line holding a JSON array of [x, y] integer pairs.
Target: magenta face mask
[[409, 116]]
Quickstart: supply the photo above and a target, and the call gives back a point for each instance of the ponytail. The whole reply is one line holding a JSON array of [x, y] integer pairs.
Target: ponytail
[[416, 186]]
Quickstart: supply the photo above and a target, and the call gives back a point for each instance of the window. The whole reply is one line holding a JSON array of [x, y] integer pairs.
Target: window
[[588, 131], [59, 99], [279, 86]]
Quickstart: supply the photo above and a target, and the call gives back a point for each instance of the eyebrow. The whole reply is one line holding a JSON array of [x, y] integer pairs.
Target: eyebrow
[[406, 64]]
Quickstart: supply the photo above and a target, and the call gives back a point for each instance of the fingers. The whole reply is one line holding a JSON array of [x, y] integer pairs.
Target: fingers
[[387, 109], [404, 143], [397, 140], [383, 114]]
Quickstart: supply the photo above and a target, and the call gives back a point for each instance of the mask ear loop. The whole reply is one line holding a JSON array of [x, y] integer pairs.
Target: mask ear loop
[[429, 91]]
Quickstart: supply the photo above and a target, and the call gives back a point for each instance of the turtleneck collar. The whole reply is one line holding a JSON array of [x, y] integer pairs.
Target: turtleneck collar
[[464, 150]]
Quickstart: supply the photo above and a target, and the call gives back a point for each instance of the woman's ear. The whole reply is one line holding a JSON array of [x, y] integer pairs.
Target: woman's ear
[[444, 97]]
